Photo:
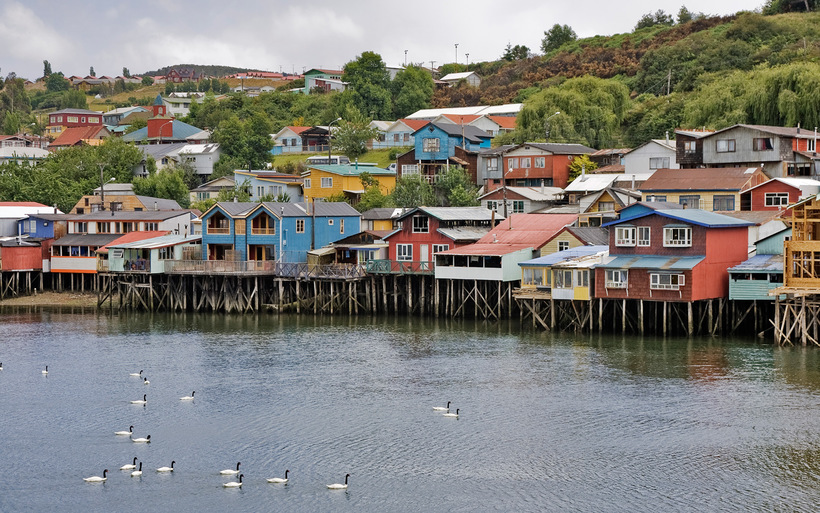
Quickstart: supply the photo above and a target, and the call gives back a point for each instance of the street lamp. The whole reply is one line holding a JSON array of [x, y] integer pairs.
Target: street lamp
[[546, 126], [405, 58], [329, 158], [163, 125], [456, 53]]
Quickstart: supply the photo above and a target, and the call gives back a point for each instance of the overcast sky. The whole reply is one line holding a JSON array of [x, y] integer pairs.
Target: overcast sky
[[291, 35]]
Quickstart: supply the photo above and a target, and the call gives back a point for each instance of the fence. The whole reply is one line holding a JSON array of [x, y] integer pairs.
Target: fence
[[268, 267], [399, 267]]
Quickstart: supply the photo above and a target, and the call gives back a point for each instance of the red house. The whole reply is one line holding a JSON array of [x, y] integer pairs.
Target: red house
[[425, 231], [670, 254], [72, 118], [779, 193], [24, 254], [536, 164]]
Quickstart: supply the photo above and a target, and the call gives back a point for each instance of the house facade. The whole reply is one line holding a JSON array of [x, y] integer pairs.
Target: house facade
[[288, 140], [535, 164], [713, 189], [779, 193], [436, 147], [324, 181], [270, 184], [71, 118]]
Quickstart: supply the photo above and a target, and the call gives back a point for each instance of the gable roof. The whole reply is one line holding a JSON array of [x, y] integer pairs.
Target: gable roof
[[567, 254], [460, 119], [351, 169], [454, 77], [528, 229], [701, 179], [690, 215], [506, 122], [590, 235], [667, 145], [783, 131], [558, 148], [530, 193], [75, 135], [807, 186], [412, 124], [469, 132], [454, 213]]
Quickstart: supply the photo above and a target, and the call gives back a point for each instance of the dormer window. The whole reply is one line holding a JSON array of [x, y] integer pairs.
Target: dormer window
[[421, 224]]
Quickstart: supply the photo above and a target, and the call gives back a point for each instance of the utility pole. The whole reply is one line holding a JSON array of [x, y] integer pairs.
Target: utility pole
[[432, 66], [456, 53], [405, 58], [669, 83], [468, 60]]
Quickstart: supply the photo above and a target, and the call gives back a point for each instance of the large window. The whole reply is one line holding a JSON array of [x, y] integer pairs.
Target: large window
[[582, 278], [409, 169], [440, 247], [518, 207], [624, 235], [492, 164], [725, 145], [307, 183], [665, 281], [563, 245], [562, 279], [532, 276], [643, 235], [723, 202], [421, 224], [689, 147], [525, 163], [690, 200], [539, 162], [430, 145], [762, 144], [616, 278], [404, 252], [512, 163], [493, 205], [776, 199], [659, 163], [677, 236]]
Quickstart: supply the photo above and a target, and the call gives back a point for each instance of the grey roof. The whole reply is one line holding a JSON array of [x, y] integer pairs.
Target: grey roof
[[760, 264], [665, 263], [560, 256], [87, 239], [159, 242], [77, 111], [499, 150], [381, 214], [574, 208], [591, 235], [236, 208], [128, 215], [471, 133], [323, 209], [158, 151], [465, 233], [693, 216], [179, 132], [455, 213], [161, 203], [561, 148], [757, 217]]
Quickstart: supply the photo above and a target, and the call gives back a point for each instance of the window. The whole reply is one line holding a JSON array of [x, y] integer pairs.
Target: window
[[664, 281], [440, 247], [341, 225], [725, 145], [72, 119], [582, 278], [421, 224], [606, 206], [430, 145], [260, 191], [563, 245], [532, 276], [512, 163], [525, 163], [723, 202], [624, 235], [103, 227], [307, 183], [492, 205], [492, 164], [396, 137], [518, 207], [409, 169], [33, 226], [330, 222], [284, 142], [563, 279], [776, 199], [300, 226], [762, 144], [166, 253], [689, 147], [540, 162], [659, 163], [404, 252], [382, 137], [677, 236], [690, 200], [616, 278], [812, 145], [81, 227], [327, 182], [643, 235]]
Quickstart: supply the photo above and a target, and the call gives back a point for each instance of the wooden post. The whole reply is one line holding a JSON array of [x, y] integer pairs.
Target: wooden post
[[803, 333], [640, 316], [600, 315], [552, 313], [623, 316], [691, 321]]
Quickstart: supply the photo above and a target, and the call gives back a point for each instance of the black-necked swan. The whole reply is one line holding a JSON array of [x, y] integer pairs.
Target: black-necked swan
[[339, 486], [97, 479], [143, 401], [130, 466], [137, 473], [129, 432], [146, 440], [280, 480], [136, 374], [452, 414], [1, 365], [229, 472], [442, 408], [45, 371], [188, 397], [167, 469], [145, 381], [234, 484]]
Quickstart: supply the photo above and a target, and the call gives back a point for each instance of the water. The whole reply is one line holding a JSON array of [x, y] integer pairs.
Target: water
[[547, 422]]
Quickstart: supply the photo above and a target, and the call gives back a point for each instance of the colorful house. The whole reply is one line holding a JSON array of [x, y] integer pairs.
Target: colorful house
[[151, 255], [437, 146], [600, 207], [76, 136], [520, 200], [288, 140], [570, 237], [270, 185], [72, 118], [400, 133], [324, 181], [755, 278], [712, 189], [536, 274], [779, 193], [670, 255], [535, 164], [381, 218], [324, 80]]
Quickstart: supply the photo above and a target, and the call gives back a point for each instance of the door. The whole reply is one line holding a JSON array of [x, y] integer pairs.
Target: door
[[424, 255]]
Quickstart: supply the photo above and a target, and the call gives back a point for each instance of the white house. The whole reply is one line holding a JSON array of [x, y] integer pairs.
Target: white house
[[649, 156], [471, 77], [201, 157]]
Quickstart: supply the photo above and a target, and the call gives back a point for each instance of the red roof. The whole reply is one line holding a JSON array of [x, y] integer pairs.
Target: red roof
[[486, 249], [415, 124], [133, 237], [297, 129], [504, 121], [459, 120], [21, 204], [73, 136]]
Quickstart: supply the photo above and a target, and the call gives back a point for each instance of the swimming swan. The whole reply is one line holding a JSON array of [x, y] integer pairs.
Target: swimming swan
[[146, 440], [234, 484], [337, 486], [145, 381], [136, 374], [167, 469], [442, 408], [129, 432], [96, 479], [144, 400], [279, 480], [130, 466], [188, 397], [45, 371], [229, 472], [137, 473], [451, 414]]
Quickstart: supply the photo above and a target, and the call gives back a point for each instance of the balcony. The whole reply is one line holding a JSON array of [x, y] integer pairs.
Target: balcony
[[399, 267], [264, 267], [263, 231], [212, 230]]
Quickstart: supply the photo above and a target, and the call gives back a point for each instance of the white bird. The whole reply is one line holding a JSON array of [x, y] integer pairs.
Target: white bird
[[442, 408], [137, 473], [45, 371], [146, 440], [167, 469], [96, 479], [451, 414], [188, 397], [145, 381], [130, 466], [129, 432], [136, 374], [143, 401], [279, 480], [338, 486], [234, 484], [229, 472]]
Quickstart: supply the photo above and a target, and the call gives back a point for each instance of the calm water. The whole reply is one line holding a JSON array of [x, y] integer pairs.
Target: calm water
[[548, 422]]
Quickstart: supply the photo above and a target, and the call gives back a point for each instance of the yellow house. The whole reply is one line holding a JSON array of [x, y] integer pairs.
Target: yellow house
[[324, 181], [538, 273], [600, 207], [573, 236], [713, 189]]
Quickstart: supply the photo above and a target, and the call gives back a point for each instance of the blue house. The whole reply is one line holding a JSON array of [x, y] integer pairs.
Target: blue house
[[274, 232], [437, 146], [43, 226]]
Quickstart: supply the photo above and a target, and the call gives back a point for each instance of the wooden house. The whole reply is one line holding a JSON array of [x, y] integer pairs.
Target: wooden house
[[77, 252], [25, 254], [689, 147], [357, 249], [650, 156], [755, 278], [288, 140], [324, 181], [71, 118], [521, 200], [802, 252], [570, 237], [324, 80], [77, 136], [534, 164], [121, 197], [400, 133], [152, 254], [437, 146], [469, 77], [381, 219], [600, 207], [212, 188], [712, 189], [671, 255], [270, 185], [778, 193], [536, 274]]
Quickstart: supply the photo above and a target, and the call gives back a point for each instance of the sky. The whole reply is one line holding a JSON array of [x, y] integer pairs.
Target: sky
[[293, 36]]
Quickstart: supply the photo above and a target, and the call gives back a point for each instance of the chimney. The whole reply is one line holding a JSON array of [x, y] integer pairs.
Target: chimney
[[55, 208], [155, 206], [633, 182], [667, 137], [798, 128]]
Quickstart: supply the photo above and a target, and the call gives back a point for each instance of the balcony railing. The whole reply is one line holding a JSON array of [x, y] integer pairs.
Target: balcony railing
[[263, 231], [399, 267], [268, 267], [218, 231]]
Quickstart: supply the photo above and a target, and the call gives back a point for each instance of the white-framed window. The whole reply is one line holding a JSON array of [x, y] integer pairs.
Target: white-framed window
[[725, 145], [396, 137], [518, 206], [624, 235], [80, 227], [540, 162], [512, 163], [493, 205], [616, 278], [404, 252], [341, 225], [421, 224], [151, 226], [776, 199], [563, 245], [300, 226], [327, 182], [260, 191], [666, 281], [812, 145], [644, 235], [307, 183], [330, 222], [492, 164], [72, 119], [525, 162], [532, 276], [659, 163], [562, 279], [430, 145], [689, 147], [409, 169], [440, 247], [677, 236], [582, 278]]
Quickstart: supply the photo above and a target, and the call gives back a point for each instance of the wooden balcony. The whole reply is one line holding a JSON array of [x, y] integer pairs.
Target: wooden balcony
[[218, 231], [400, 267], [263, 231]]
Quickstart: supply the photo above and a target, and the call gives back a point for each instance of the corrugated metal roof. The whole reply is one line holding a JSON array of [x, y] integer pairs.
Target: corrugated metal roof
[[592, 235], [589, 182], [128, 215], [381, 214], [560, 256], [352, 169], [560, 148], [156, 242], [486, 249], [529, 229], [86, 239], [693, 216], [464, 233], [530, 193], [133, 237], [455, 213], [760, 264], [663, 263], [702, 179]]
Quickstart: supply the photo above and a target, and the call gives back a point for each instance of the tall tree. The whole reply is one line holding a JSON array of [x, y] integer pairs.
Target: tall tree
[[91, 72], [46, 69], [515, 53], [412, 91], [56, 82], [455, 189], [368, 85], [126, 73], [557, 36], [353, 133], [413, 191]]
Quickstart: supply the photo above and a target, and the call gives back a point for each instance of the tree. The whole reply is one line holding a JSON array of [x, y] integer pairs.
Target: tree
[[126, 73], [659, 17], [73, 99], [166, 183], [56, 82], [455, 189], [412, 91], [147, 81], [46, 69], [579, 164], [91, 72], [368, 86], [684, 15], [11, 123], [413, 191], [515, 53], [556, 37], [353, 133]]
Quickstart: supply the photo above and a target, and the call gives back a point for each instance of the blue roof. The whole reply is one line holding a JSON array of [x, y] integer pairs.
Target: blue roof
[[179, 132], [561, 256], [664, 263], [691, 216], [760, 264]]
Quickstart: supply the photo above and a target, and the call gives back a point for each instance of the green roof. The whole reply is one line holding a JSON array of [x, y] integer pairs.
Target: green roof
[[353, 169]]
